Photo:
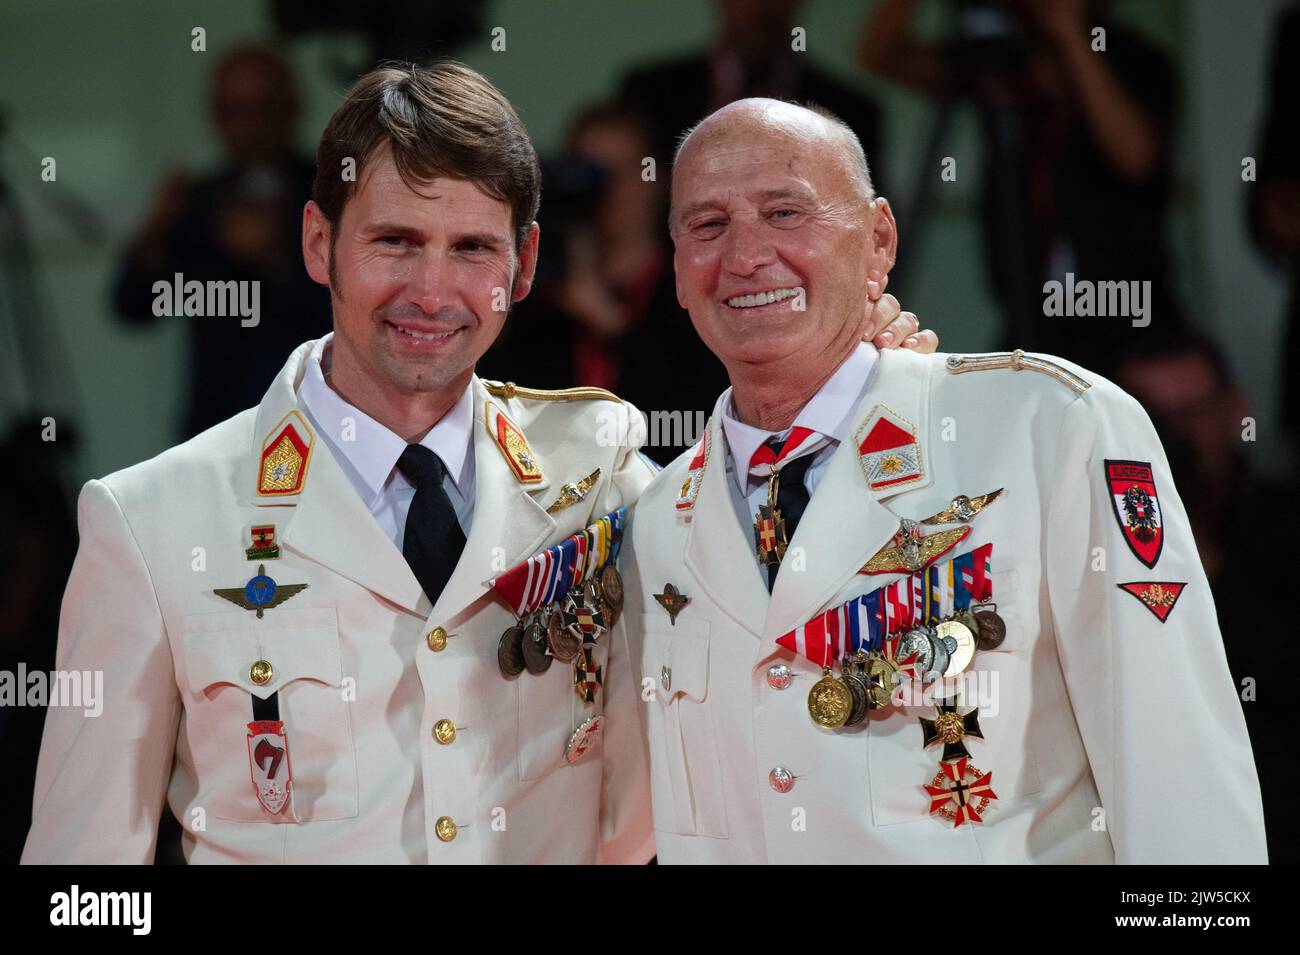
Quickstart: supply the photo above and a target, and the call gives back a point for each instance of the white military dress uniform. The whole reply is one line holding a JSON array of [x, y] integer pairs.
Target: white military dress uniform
[[406, 743], [1115, 737]]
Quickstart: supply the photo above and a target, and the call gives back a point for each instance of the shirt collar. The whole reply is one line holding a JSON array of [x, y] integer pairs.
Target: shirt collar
[[828, 412], [374, 450]]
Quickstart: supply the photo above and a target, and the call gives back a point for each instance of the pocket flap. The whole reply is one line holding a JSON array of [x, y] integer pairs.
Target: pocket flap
[[679, 661], [300, 644]]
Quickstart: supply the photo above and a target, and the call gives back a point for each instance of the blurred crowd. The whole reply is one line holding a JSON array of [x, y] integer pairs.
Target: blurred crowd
[[1076, 178]]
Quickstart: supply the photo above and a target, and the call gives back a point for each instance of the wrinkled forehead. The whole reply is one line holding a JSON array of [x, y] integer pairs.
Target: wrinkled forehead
[[728, 165]]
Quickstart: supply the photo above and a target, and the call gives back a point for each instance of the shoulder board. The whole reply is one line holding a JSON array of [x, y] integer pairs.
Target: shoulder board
[[1016, 361], [509, 389]]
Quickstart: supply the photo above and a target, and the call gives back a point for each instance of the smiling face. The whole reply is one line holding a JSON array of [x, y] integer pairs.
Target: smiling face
[[768, 218], [420, 280]]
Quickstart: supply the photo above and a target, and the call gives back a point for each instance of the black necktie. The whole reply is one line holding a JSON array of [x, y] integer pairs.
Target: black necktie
[[433, 540], [791, 500]]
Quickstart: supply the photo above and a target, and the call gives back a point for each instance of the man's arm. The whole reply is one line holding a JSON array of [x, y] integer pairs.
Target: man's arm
[[626, 821], [1154, 701], [101, 778]]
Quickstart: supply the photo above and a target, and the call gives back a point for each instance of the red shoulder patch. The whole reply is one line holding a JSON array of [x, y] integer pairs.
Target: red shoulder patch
[[1134, 500], [1158, 596]]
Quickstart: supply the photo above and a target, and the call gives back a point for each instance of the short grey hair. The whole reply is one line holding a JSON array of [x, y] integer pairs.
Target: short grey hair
[[857, 156]]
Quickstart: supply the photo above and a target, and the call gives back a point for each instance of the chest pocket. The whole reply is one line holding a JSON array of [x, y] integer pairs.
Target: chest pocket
[[302, 646], [548, 715], [686, 776], [899, 765]]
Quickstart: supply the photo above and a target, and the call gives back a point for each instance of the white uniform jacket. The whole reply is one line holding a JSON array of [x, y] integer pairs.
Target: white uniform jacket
[[1111, 736], [405, 742]]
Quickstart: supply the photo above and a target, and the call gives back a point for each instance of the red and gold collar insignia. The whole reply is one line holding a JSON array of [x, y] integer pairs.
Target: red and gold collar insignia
[[690, 488], [889, 451], [514, 448], [282, 468]]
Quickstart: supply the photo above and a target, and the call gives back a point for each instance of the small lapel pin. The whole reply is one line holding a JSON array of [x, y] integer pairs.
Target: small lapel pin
[[672, 601], [571, 494], [963, 509], [264, 545], [261, 593]]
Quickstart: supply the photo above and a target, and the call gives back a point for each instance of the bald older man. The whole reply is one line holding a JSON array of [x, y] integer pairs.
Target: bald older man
[[898, 607]]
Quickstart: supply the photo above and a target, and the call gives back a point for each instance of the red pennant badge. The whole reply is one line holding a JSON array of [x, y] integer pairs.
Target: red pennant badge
[[268, 763], [1133, 496], [1158, 596]]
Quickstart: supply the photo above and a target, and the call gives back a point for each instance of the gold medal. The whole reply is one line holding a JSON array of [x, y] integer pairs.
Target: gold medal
[[830, 702], [881, 677], [959, 656]]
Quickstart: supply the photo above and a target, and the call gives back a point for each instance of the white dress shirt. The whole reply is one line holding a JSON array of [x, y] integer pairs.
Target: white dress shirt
[[828, 412], [368, 452]]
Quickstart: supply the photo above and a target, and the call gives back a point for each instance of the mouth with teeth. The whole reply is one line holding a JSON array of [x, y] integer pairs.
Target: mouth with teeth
[[759, 299], [422, 338]]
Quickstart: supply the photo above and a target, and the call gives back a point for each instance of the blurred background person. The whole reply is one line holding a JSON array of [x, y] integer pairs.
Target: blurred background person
[[1077, 170], [604, 309], [751, 54], [1275, 205], [240, 222]]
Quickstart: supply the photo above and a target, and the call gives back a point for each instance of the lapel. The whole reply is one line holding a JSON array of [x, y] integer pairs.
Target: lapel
[[330, 524], [846, 522], [278, 404], [719, 551], [510, 524], [333, 526]]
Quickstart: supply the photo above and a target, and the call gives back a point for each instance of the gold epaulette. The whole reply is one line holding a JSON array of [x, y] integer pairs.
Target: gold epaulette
[[1016, 360], [510, 390]]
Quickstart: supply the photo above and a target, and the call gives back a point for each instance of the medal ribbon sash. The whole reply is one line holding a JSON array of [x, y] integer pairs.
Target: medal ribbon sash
[[549, 574], [864, 622]]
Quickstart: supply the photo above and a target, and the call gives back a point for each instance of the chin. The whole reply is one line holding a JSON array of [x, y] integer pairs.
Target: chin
[[764, 352]]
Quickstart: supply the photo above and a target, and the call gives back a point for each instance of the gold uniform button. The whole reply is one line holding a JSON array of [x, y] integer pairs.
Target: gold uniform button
[[261, 672], [445, 828], [437, 638], [444, 731]]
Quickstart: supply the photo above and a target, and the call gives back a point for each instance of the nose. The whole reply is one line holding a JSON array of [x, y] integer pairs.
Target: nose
[[429, 284], [747, 247]]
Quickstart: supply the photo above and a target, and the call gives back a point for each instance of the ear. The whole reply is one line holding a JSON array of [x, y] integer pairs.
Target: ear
[[677, 272], [527, 264], [884, 237], [316, 243]]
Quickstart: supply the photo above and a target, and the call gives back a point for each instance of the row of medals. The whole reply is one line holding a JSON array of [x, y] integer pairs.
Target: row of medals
[[943, 648], [554, 632]]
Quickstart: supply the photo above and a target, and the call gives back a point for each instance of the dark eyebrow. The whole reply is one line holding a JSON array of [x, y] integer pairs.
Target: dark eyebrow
[[387, 228], [489, 239]]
